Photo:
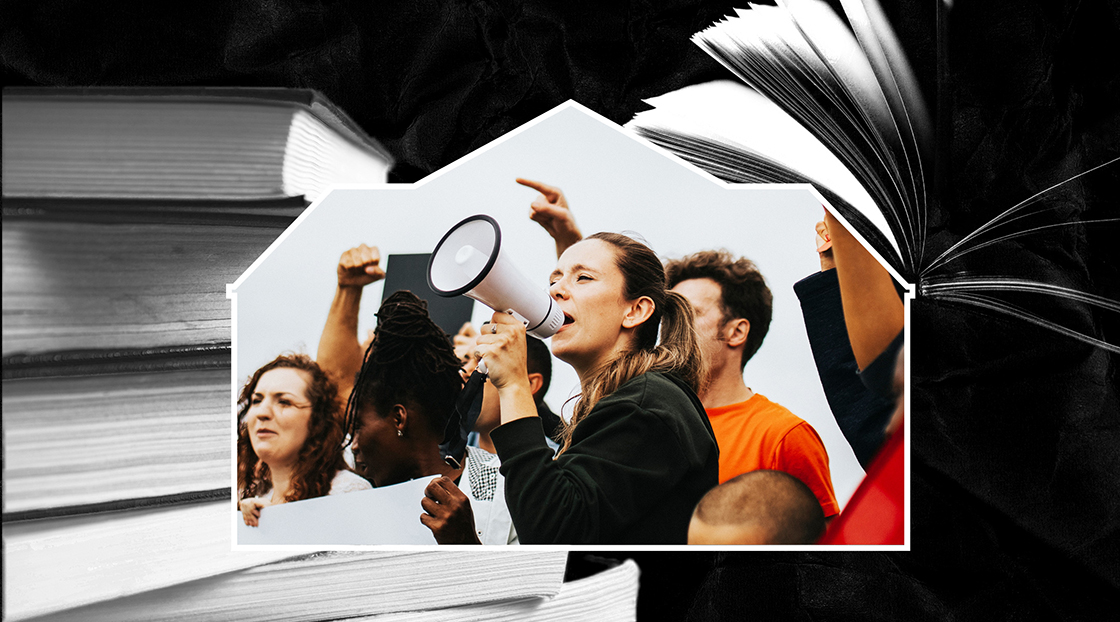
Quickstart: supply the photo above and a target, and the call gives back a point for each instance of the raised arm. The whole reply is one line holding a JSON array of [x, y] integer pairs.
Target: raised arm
[[860, 412], [340, 353], [550, 210], [873, 311]]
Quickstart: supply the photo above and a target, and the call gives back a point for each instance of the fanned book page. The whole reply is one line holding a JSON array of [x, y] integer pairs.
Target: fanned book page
[[735, 133], [608, 596], [862, 107], [832, 100], [345, 584], [57, 564]]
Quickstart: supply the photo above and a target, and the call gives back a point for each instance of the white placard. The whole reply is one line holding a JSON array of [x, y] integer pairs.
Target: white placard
[[386, 515]]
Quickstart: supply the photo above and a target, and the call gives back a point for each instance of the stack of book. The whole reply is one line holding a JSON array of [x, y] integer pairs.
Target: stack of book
[[176, 564], [126, 213]]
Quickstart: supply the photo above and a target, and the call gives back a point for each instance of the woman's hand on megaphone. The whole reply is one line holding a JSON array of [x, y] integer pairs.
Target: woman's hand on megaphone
[[501, 344], [360, 266]]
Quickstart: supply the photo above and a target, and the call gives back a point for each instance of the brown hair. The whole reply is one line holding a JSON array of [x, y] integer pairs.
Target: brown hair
[[320, 458], [778, 505], [743, 290], [677, 353]]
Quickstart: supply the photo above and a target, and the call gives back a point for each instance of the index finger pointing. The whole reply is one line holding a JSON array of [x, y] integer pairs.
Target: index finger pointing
[[544, 189]]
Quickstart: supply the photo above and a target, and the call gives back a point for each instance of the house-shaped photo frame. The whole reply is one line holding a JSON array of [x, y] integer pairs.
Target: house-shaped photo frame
[[614, 181]]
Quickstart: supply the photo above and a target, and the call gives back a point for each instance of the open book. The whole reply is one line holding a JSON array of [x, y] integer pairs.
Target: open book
[[835, 107], [832, 100]]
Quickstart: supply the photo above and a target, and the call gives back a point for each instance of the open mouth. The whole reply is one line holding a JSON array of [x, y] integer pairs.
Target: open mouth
[[568, 319]]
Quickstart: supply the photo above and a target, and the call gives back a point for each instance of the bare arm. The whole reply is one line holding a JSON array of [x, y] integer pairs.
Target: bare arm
[[340, 353], [824, 247], [873, 312], [551, 211]]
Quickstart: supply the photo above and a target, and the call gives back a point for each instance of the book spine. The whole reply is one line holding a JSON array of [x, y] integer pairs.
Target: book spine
[[144, 503], [126, 361]]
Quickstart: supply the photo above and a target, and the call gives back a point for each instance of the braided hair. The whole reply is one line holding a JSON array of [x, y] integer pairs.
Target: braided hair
[[410, 361]]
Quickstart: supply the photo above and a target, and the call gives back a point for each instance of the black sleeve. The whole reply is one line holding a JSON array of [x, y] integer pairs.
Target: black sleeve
[[879, 375], [622, 460], [860, 413]]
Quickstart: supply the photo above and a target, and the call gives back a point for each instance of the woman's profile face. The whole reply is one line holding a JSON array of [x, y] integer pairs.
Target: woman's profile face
[[279, 415], [380, 455], [589, 288]]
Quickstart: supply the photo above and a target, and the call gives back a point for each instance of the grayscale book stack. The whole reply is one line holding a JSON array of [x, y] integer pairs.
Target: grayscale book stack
[[126, 213]]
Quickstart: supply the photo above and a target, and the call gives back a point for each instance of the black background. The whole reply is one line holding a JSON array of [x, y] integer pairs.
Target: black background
[[1015, 460]]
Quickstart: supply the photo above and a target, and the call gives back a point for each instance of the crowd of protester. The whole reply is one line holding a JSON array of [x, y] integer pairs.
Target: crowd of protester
[[666, 444]]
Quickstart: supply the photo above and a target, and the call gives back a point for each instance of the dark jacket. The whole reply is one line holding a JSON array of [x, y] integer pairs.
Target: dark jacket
[[861, 408], [639, 463]]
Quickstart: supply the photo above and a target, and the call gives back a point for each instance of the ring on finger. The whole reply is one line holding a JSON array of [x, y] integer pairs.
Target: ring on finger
[[493, 329]]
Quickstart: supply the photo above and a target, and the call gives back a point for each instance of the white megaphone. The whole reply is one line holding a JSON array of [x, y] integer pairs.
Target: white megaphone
[[468, 261]]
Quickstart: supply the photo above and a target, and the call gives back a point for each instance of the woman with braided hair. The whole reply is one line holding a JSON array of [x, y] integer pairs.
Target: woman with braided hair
[[403, 396], [289, 437]]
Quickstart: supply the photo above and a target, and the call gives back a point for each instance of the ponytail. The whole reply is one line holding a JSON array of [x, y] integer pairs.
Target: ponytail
[[678, 351], [684, 356]]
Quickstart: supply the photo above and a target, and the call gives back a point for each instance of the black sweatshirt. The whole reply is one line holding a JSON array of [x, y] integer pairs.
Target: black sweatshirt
[[861, 412], [639, 463]]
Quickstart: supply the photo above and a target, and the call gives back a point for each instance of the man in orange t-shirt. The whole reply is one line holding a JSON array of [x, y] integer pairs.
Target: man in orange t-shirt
[[733, 308]]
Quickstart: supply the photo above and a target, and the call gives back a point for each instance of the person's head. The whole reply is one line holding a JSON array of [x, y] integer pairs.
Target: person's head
[[759, 507], [612, 291], [732, 302], [404, 393], [290, 418], [539, 368]]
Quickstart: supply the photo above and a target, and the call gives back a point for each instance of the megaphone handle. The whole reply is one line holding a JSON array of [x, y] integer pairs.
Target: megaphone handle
[[481, 368], [518, 316]]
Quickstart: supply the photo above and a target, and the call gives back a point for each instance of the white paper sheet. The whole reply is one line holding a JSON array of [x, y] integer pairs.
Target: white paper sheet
[[386, 515]]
